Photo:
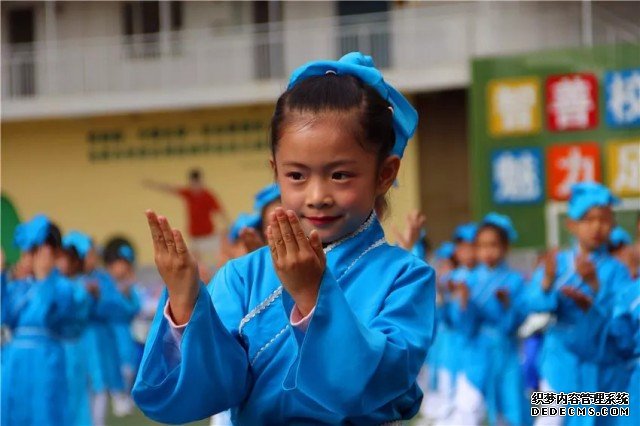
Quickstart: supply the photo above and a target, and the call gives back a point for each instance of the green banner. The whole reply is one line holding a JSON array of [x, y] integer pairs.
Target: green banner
[[543, 121]]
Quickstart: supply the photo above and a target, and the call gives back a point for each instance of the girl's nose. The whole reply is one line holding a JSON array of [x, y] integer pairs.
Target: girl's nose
[[319, 197]]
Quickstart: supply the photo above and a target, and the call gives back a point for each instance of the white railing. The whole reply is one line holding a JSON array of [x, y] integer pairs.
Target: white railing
[[406, 40]]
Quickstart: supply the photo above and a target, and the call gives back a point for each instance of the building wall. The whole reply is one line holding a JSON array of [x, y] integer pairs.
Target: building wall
[[444, 162], [56, 167]]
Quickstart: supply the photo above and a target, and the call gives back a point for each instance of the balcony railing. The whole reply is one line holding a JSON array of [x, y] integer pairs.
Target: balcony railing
[[411, 40]]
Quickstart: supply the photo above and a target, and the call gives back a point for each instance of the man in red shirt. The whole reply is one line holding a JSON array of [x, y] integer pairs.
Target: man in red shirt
[[202, 205]]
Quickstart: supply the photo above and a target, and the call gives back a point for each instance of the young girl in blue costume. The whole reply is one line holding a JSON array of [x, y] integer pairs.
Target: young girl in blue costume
[[41, 311], [329, 323], [588, 269], [449, 333], [489, 309], [102, 351], [75, 246], [119, 260]]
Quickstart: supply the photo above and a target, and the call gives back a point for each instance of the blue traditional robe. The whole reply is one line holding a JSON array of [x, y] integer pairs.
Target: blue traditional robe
[[101, 341], [40, 315], [357, 362], [564, 369], [489, 352]]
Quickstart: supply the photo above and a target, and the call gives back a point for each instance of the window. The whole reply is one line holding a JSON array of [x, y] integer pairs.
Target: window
[[143, 27]]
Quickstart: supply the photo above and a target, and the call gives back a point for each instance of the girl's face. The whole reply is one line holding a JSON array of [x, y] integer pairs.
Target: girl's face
[[593, 229], [69, 265], [91, 260], [326, 177], [44, 260], [120, 270], [489, 248], [465, 254]]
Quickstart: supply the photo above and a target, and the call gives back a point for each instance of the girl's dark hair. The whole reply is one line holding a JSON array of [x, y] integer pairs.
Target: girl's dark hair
[[77, 262], [54, 236], [502, 234], [111, 250], [612, 248], [345, 94]]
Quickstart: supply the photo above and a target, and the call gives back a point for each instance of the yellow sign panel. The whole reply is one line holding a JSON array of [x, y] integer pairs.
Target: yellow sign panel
[[623, 161], [514, 106]]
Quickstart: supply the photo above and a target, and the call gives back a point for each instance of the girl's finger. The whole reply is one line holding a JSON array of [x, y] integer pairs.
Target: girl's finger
[[156, 233], [316, 244], [287, 233], [167, 234], [271, 243], [298, 232], [281, 250], [181, 246]]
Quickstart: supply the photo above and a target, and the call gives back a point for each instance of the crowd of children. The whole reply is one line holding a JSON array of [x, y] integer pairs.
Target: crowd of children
[[312, 317], [68, 344], [480, 367]]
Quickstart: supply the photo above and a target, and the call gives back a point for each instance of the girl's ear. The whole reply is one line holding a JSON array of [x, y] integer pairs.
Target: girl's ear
[[274, 168], [388, 172]]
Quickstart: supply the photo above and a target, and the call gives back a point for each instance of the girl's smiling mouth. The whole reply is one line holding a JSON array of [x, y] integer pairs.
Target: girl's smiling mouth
[[322, 220]]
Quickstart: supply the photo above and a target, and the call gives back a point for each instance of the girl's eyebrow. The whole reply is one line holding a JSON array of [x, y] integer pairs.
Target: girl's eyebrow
[[331, 165]]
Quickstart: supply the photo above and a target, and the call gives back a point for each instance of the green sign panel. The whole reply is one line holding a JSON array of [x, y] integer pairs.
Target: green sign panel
[[543, 121]]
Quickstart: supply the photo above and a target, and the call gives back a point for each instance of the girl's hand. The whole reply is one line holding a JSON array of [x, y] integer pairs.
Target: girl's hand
[[299, 262], [583, 301], [178, 268], [251, 239], [587, 271], [550, 269], [462, 292], [415, 221], [503, 296]]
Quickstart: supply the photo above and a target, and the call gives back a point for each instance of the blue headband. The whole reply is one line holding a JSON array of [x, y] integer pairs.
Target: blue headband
[[79, 241], [126, 252], [446, 250], [265, 196], [405, 117], [587, 195], [466, 232], [244, 220], [503, 222], [33, 233], [619, 237]]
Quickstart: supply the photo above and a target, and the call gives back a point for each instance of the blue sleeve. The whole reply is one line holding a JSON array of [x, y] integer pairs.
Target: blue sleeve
[[507, 318], [388, 350], [70, 305], [126, 307], [209, 371], [538, 300]]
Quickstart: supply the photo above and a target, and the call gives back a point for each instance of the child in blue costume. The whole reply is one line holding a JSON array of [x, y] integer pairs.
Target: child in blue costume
[[41, 311], [435, 400], [102, 351], [75, 246], [489, 309], [588, 268], [449, 333], [329, 323], [613, 339], [119, 260]]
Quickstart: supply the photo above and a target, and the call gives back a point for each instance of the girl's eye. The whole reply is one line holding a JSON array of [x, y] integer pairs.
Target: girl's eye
[[294, 175], [340, 176]]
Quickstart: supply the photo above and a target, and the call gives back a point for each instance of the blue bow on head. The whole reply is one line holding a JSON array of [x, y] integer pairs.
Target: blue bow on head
[[265, 196], [244, 220], [503, 222], [465, 232], [79, 241], [31, 234], [446, 250], [405, 117], [126, 252], [587, 195], [619, 237]]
